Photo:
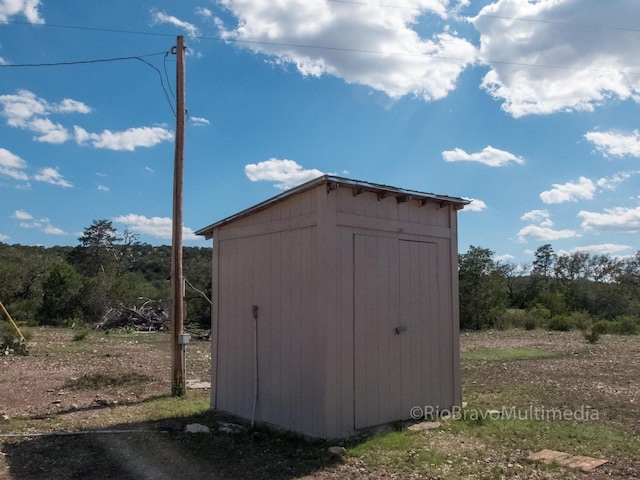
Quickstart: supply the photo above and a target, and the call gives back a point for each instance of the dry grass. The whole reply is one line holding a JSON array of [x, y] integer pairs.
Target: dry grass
[[502, 370]]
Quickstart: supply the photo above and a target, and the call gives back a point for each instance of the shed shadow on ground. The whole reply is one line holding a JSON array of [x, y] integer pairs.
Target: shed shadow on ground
[[162, 450]]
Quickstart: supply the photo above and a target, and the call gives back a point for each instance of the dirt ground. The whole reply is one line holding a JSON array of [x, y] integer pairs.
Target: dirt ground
[[40, 390]]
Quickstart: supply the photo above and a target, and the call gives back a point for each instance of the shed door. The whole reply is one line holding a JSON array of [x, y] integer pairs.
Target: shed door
[[396, 335]]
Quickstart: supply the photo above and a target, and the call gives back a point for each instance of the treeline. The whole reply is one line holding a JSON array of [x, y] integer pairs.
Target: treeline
[[81, 285], [556, 291]]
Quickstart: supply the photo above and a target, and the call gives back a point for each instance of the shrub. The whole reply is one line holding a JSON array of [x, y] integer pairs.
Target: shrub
[[625, 325], [540, 312], [561, 323], [602, 326], [582, 320], [10, 341], [591, 335]]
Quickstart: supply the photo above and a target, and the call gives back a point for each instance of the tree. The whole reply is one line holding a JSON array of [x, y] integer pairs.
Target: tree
[[483, 289], [544, 261], [60, 295], [96, 254]]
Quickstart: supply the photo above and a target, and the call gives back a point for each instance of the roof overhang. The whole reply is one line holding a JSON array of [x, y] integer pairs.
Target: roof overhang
[[332, 183]]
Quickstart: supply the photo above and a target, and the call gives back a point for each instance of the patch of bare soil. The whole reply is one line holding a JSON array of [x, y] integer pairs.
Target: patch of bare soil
[[41, 390]]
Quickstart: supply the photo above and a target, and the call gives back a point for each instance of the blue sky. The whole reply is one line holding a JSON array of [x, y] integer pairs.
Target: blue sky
[[528, 108]]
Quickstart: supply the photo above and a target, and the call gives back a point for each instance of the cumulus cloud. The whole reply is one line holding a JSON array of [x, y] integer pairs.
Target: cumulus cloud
[[569, 192], [362, 43], [24, 109], [27, 8], [584, 188], [619, 219], [616, 144], [127, 140], [22, 215], [44, 224], [52, 176], [541, 230], [558, 55], [159, 227], [286, 173], [601, 249], [161, 18], [12, 165], [545, 234], [541, 217], [489, 156], [475, 205]]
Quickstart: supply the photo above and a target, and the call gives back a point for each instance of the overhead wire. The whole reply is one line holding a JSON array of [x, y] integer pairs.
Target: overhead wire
[[140, 58], [364, 51]]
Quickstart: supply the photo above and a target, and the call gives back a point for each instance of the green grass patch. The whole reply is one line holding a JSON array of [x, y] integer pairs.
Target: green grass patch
[[508, 354], [399, 451], [587, 437]]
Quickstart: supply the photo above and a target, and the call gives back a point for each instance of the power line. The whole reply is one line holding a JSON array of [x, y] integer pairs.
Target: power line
[[140, 58], [83, 62], [345, 49]]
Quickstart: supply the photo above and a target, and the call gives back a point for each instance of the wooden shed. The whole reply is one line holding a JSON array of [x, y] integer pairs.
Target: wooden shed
[[335, 307]]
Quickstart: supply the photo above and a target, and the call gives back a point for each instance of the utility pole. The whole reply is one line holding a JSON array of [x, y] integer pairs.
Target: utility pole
[[178, 387]]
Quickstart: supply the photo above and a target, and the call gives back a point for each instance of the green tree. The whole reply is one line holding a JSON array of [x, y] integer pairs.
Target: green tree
[[483, 289], [544, 262], [60, 296]]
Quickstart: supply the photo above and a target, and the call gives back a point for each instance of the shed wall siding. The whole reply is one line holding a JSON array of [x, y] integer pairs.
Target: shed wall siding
[[332, 274]]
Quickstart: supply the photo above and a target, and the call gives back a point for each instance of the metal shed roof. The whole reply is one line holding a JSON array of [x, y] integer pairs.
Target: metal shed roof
[[332, 182]]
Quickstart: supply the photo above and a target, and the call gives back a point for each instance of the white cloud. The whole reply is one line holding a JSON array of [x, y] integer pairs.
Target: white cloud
[[199, 121], [27, 8], [541, 217], [602, 249], [362, 43], [161, 18], [103, 188], [49, 132], [26, 110], [618, 219], [204, 12], [545, 234], [286, 173], [584, 189], [12, 165], [569, 192], [548, 56], [43, 224], [504, 258], [159, 227], [72, 106], [127, 140], [611, 183], [490, 156], [52, 176], [51, 230], [475, 205], [4, 237], [22, 215], [616, 144]]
